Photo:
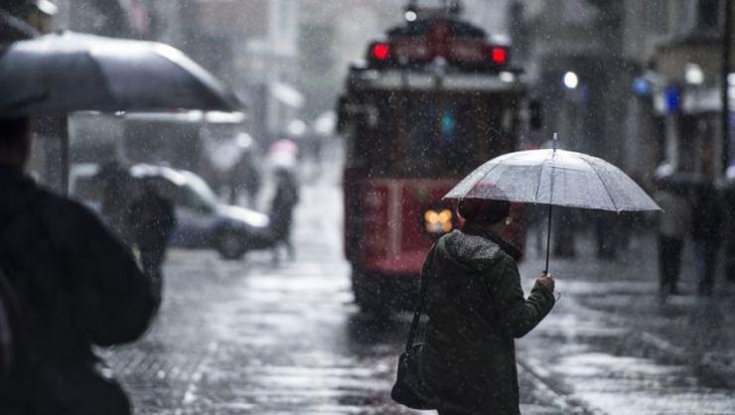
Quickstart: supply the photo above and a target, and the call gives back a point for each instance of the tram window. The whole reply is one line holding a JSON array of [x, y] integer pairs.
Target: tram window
[[441, 135], [432, 135]]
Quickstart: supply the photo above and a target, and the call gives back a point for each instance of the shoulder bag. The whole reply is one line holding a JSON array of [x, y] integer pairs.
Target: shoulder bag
[[409, 388]]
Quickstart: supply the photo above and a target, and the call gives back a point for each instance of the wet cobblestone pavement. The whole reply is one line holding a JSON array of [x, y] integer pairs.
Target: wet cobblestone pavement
[[253, 337], [612, 344]]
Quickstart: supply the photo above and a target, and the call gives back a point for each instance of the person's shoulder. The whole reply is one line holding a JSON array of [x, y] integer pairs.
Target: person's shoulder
[[505, 261], [473, 247], [63, 210]]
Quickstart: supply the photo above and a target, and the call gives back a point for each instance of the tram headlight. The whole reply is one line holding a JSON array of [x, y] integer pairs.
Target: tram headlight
[[438, 222]]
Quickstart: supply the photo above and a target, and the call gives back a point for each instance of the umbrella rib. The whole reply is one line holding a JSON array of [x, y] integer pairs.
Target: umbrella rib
[[538, 183], [603, 184], [482, 177]]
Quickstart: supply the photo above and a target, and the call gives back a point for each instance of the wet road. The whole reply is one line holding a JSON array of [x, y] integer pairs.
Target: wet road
[[253, 337]]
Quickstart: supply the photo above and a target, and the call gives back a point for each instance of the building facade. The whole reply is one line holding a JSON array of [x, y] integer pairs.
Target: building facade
[[687, 93], [647, 78]]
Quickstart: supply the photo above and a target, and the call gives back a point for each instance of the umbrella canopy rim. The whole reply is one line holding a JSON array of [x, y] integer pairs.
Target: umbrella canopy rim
[[584, 158], [572, 205], [215, 95]]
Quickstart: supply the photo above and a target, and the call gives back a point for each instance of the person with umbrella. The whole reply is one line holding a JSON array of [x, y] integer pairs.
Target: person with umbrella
[[473, 295], [76, 285], [476, 309]]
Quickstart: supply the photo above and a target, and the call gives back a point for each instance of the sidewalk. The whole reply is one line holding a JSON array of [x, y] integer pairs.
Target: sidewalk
[[614, 346]]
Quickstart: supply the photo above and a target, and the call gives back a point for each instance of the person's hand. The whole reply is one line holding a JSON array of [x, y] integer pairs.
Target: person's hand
[[547, 281]]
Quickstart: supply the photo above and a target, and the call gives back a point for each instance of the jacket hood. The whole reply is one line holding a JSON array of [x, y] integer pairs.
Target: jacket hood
[[16, 192], [474, 250]]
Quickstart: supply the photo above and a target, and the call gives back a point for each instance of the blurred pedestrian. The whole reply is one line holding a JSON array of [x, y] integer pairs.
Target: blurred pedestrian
[[117, 189], [730, 231], [564, 233], [537, 226], [153, 219], [673, 226], [76, 286], [707, 222], [476, 309], [245, 174], [281, 211], [607, 232], [729, 228]]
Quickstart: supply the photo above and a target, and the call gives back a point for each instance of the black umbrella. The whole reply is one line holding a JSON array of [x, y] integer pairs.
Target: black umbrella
[[66, 72]]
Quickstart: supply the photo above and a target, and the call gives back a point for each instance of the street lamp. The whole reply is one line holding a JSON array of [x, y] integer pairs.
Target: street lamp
[[571, 80], [693, 74]]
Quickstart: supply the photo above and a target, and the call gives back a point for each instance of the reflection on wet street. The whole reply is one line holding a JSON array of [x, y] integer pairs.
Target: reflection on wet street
[[253, 337], [614, 346]]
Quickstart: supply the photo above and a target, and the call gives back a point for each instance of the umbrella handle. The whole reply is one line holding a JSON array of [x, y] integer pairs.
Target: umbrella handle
[[551, 198], [548, 241]]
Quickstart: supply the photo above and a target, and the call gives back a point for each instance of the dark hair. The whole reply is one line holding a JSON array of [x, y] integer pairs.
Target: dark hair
[[15, 135], [483, 211]]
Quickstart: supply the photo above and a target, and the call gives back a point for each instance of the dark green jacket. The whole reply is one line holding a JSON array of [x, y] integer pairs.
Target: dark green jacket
[[476, 309]]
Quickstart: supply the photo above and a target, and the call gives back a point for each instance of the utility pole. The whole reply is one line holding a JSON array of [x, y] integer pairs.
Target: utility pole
[[726, 49]]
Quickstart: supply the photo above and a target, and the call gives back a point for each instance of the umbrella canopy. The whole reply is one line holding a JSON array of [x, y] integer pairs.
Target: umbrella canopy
[[65, 72], [554, 177]]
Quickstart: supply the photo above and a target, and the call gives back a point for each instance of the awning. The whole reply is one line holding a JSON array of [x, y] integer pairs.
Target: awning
[[690, 100]]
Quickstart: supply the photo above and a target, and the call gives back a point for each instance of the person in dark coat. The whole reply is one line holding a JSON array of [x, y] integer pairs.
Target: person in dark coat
[[245, 174], [708, 218], [673, 226], [8, 333], [116, 192], [729, 234], [476, 309], [153, 219], [78, 287], [282, 206]]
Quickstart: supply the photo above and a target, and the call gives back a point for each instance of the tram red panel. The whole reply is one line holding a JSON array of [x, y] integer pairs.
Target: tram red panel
[[396, 241]]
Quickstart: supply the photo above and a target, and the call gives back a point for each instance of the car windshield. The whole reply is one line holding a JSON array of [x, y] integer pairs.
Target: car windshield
[[202, 191]]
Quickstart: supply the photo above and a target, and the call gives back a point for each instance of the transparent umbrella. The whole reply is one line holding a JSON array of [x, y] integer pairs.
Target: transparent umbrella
[[555, 178]]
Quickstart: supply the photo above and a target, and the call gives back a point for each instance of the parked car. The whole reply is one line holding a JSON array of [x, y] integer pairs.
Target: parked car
[[84, 185], [202, 221]]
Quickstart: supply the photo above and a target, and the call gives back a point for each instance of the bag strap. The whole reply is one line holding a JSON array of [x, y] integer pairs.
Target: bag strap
[[424, 286], [417, 313]]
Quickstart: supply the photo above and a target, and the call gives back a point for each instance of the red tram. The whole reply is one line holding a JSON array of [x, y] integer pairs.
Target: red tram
[[434, 100]]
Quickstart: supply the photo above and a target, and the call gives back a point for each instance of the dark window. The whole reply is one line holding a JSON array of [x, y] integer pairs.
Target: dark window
[[427, 135], [708, 14]]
